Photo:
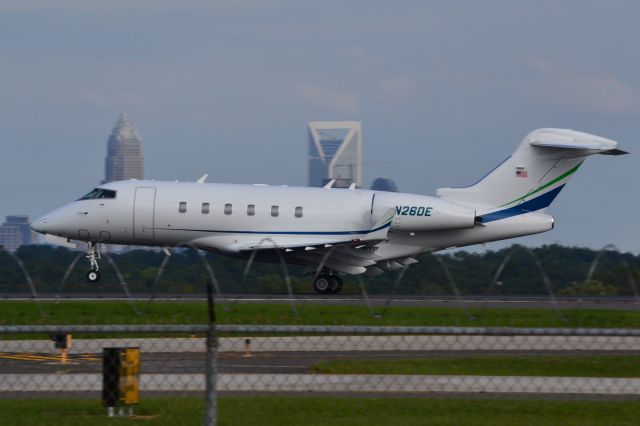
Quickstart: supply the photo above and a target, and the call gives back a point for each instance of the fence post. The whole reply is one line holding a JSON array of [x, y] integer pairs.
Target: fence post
[[211, 408]]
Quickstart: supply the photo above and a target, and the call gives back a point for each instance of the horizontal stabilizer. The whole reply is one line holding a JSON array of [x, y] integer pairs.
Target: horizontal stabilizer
[[571, 139]]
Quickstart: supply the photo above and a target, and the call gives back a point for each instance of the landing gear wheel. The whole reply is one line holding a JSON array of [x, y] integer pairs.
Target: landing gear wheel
[[322, 284], [93, 255], [93, 276], [336, 284]]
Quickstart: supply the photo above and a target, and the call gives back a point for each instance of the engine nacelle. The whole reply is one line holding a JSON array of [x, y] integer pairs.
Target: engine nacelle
[[422, 213]]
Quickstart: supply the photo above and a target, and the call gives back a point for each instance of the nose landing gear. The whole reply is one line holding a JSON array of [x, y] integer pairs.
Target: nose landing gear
[[93, 276], [327, 284]]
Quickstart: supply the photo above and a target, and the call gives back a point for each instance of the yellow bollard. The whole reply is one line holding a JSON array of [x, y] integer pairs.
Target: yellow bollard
[[247, 348], [62, 342]]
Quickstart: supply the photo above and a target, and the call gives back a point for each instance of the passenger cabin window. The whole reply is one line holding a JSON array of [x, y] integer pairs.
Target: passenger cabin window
[[275, 211], [99, 193], [251, 210], [228, 209], [182, 207], [205, 208], [298, 211]]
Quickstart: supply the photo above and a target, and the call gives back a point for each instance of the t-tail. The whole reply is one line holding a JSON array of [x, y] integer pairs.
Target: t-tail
[[531, 178]]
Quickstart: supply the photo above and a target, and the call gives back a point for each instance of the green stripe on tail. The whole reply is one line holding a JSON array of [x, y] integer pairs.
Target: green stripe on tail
[[546, 185]]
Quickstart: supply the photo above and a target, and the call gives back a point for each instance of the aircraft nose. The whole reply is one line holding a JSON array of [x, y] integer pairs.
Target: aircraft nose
[[40, 225]]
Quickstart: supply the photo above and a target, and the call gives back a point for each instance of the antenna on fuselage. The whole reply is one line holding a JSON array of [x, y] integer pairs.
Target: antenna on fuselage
[[329, 184], [202, 178]]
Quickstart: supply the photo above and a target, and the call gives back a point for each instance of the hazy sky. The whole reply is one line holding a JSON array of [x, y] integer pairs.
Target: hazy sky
[[445, 90]]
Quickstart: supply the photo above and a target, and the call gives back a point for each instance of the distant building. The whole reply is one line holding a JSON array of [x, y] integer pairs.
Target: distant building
[[15, 232], [384, 184], [335, 152], [124, 152]]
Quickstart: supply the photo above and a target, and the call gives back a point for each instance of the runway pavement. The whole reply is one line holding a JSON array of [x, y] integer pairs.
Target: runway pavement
[[345, 343], [285, 364], [599, 302], [16, 383]]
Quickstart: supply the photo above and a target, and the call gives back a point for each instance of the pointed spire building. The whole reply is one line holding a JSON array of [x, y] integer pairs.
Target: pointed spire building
[[124, 152]]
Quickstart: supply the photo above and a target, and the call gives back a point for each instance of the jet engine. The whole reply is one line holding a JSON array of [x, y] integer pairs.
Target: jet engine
[[421, 213]]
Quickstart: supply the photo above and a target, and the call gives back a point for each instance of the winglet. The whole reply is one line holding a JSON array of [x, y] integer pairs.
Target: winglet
[[202, 178], [381, 228]]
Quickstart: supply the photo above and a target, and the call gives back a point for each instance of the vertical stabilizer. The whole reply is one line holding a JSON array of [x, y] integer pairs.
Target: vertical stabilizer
[[535, 173]]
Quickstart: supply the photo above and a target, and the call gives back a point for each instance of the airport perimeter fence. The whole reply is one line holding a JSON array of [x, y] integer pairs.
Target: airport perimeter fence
[[177, 364]]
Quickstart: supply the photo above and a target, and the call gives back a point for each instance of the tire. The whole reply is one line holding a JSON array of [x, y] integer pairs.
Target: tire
[[93, 276], [336, 284], [323, 284]]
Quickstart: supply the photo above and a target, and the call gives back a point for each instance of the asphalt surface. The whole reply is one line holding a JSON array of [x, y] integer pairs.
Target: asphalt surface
[[27, 383], [343, 343], [627, 303], [227, 362], [191, 362], [39, 373]]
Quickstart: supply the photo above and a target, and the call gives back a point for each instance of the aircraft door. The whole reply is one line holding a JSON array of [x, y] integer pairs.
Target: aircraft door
[[143, 214]]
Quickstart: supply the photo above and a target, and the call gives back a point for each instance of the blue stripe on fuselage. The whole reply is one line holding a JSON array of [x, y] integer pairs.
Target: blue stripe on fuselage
[[368, 231], [532, 205]]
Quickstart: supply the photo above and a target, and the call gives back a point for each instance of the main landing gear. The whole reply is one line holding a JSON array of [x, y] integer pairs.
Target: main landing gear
[[327, 284], [93, 276]]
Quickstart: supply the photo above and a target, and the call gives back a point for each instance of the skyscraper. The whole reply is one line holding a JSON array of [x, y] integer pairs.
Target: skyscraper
[[15, 232], [124, 152], [335, 152]]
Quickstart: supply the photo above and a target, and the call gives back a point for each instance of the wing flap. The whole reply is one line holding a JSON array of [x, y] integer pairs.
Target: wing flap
[[316, 257]]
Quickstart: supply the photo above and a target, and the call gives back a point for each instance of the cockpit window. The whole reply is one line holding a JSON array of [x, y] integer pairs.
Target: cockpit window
[[99, 193]]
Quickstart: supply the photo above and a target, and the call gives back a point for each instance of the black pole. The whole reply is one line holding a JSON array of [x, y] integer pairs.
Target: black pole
[[210, 416]]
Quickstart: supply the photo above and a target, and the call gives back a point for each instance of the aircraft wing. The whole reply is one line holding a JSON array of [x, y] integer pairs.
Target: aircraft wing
[[375, 234], [350, 252], [353, 260], [350, 255]]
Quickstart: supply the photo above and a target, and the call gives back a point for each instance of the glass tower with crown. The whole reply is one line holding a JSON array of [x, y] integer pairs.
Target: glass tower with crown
[[124, 152]]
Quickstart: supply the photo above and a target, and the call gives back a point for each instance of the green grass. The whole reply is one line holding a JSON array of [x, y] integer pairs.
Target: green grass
[[330, 411], [191, 312], [492, 365]]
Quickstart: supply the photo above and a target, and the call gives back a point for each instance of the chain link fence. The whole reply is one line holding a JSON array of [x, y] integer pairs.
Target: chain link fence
[[317, 360]]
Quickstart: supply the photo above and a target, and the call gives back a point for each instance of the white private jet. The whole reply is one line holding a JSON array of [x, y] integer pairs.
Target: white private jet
[[346, 231]]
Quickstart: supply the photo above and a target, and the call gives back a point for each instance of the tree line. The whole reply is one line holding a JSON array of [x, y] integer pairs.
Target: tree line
[[473, 273]]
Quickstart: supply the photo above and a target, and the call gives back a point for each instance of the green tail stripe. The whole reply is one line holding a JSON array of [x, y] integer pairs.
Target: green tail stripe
[[546, 185]]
